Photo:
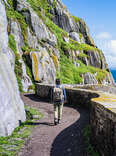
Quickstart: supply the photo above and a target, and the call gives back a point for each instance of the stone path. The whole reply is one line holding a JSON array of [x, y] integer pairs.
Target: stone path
[[65, 139]]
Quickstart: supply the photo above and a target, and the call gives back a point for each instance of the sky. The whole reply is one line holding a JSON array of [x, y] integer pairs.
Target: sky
[[100, 17]]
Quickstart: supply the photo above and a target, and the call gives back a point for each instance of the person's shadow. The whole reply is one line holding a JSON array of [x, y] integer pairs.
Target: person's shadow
[[70, 142], [38, 123], [34, 97]]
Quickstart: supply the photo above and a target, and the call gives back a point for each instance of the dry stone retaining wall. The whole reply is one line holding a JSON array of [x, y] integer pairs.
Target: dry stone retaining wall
[[102, 114]]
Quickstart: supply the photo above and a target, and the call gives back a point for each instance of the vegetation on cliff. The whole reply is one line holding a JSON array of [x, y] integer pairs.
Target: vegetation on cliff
[[18, 65], [69, 73]]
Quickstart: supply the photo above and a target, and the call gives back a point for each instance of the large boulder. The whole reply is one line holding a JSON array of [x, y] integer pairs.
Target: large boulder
[[11, 106], [43, 66]]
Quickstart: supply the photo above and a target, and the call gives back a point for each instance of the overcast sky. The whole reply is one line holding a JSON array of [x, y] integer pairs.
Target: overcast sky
[[100, 16]]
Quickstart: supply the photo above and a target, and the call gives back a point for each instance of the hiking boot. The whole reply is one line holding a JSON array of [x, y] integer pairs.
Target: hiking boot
[[59, 121], [55, 122]]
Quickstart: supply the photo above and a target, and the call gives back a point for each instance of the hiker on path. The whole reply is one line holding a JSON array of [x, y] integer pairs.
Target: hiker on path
[[58, 97]]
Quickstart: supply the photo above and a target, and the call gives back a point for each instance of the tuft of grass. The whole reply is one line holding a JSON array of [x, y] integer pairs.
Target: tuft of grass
[[32, 111], [82, 55], [26, 49], [100, 74], [59, 33], [12, 43], [76, 19], [83, 46], [90, 148], [80, 36], [11, 145], [68, 72], [41, 7]]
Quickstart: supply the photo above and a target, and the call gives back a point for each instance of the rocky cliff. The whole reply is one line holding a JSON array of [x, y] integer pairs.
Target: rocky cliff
[[39, 41], [49, 42], [11, 106]]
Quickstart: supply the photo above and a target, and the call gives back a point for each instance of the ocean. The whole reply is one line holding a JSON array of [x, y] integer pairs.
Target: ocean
[[113, 71]]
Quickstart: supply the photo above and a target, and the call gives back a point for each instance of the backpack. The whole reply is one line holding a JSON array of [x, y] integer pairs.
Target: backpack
[[58, 94]]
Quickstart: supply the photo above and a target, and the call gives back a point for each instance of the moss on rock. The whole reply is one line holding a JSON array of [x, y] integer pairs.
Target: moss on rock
[[18, 65]]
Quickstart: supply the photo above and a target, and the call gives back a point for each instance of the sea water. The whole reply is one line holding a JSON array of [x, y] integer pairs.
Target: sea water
[[113, 71]]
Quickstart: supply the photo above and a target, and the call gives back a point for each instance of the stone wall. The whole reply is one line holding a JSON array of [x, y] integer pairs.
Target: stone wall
[[102, 114], [103, 125]]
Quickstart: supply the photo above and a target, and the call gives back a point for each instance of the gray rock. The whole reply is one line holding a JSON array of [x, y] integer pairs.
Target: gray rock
[[97, 59], [5, 1], [104, 64], [32, 40], [62, 17], [89, 79], [41, 31], [84, 30], [52, 49], [64, 20], [36, 116], [75, 36], [22, 4], [66, 39], [17, 33], [84, 60], [26, 81], [11, 106], [43, 66], [38, 27], [108, 79], [94, 58], [11, 57], [3, 28]]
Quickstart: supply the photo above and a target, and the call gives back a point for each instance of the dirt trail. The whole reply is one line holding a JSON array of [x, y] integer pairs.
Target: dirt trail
[[65, 139]]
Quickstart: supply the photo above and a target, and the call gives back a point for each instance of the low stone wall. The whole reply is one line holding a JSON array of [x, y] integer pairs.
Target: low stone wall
[[103, 124], [74, 96], [102, 114]]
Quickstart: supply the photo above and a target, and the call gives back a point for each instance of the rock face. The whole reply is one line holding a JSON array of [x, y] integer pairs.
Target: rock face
[[11, 105], [89, 79], [45, 37], [43, 66]]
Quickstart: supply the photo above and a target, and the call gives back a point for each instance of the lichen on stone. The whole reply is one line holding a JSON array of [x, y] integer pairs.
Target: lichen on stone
[[35, 62], [55, 59]]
